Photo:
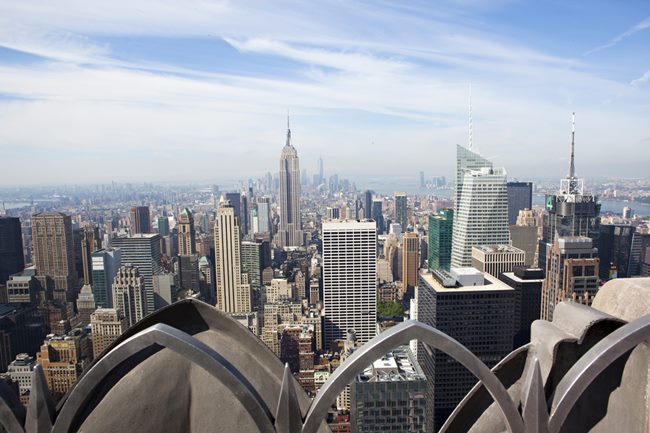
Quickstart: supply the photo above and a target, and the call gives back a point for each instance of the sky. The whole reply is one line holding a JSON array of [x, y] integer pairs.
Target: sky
[[199, 91]]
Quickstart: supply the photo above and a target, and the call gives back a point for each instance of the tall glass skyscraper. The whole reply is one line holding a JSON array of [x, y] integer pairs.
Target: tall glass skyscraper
[[440, 236], [481, 207]]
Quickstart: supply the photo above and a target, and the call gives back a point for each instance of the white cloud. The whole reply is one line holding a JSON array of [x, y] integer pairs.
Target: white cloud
[[383, 74], [641, 80], [616, 40]]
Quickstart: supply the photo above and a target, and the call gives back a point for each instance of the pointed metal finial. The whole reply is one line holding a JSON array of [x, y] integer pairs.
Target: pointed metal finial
[[535, 409], [572, 168], [470, 116], [288, 418], [40, 410]]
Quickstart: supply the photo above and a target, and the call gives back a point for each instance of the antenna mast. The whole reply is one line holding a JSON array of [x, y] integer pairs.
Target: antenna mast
[[470, 116]]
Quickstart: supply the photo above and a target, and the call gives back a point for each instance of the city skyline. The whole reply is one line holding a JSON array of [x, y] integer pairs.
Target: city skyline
[[121, 86]]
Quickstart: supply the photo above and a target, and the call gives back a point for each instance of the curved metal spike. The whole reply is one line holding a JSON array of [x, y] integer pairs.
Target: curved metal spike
[[40, 410], [163, 336], [287, 416], [535, 410], [12, 412], [591, 365], [402, 334]]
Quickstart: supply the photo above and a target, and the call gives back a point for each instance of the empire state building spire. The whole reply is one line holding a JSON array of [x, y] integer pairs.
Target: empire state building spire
[[288, 132]]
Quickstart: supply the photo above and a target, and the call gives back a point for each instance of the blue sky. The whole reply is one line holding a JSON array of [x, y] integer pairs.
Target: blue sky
[[199, 90]]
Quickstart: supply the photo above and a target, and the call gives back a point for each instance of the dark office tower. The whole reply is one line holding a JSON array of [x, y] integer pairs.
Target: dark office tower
[[105, 264], [400, 210], [235, 201], [140, 220], [188, 272], [143, 252], [377, 214], [11, 248], [477, 310], [440, 235], [422, 183], [54, 253], [89, 244], [614, 250], [520, 196], [571, 212], [186, 233], [367, 204], [527, 283], [245, 215], [290, 230], [163, 226]]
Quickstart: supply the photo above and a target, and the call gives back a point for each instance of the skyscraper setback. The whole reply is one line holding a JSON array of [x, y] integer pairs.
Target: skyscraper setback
[[290, 231]]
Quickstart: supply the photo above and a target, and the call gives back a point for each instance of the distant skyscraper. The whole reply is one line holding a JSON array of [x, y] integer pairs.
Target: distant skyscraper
[[571, 212], [264, 215], [350, 279], [233, 294], [11, 248], [105, 264], [163, 226], [481, 207], [129, 294], [290, 231], [520, 196], [186, 233], [400, 210], [321, 173], [251, 262], [524, 235], [143, 252], [422, 183], [440, 236], [367, 204], [377, 214], [572, 268], [54, 252], [410, 260], [107, 325], [140, 220]]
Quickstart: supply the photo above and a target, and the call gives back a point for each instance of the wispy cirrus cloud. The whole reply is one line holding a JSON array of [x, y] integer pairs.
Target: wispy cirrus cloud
[[626, 34]]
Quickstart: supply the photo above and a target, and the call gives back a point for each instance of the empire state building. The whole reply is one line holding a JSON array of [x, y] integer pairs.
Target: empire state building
[[290, 231]]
